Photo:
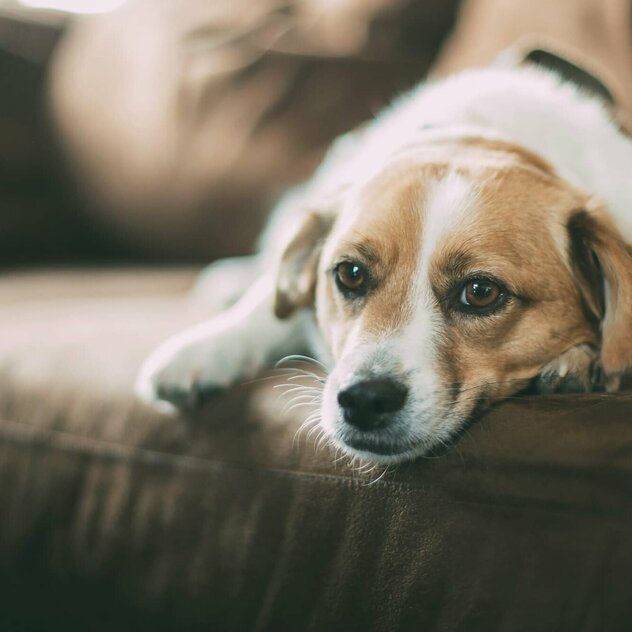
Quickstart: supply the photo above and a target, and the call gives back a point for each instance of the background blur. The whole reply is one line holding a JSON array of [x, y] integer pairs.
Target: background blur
[[164, 130]]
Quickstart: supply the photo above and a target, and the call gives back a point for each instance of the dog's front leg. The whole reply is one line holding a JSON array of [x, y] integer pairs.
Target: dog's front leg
[[191, 367]]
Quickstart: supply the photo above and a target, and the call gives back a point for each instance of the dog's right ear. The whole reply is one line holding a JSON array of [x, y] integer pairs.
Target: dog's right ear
[[296, 277]]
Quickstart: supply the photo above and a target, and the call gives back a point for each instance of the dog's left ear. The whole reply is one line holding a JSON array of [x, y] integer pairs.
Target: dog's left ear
[[296, 277], [602, 263]]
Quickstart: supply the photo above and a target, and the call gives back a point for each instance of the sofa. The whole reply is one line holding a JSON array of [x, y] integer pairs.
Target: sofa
[[113, 516]]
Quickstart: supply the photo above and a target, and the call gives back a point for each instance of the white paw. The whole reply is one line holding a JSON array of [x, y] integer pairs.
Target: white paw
[[194, 366]]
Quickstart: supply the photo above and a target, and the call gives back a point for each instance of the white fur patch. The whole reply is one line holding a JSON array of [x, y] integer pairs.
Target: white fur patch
[[447, 203], [529, 106]]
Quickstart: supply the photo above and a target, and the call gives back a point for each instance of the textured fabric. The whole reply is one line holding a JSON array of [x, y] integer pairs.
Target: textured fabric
[[115, 517]]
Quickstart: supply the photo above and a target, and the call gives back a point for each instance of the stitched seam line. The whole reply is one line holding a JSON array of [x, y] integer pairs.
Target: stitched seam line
[[66, 442]]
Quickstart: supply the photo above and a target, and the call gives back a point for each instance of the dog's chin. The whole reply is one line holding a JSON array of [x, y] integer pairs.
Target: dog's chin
[[378, 450]]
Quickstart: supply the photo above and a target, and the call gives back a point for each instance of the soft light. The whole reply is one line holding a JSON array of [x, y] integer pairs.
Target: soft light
[[75, 6]]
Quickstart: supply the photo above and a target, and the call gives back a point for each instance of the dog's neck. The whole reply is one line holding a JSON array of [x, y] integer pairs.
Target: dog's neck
[[571, 129]]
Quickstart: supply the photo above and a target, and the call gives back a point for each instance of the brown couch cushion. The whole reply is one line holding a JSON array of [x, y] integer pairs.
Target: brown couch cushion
[[113, 516]]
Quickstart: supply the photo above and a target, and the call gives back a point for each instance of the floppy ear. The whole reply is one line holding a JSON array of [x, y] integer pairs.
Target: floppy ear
[[296, 277], [602, 263]]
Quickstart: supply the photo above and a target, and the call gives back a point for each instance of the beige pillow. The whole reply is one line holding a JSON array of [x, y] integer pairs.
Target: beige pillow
[[183, 121]]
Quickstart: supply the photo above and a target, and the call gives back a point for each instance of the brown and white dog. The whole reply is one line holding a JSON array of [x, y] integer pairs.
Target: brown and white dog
[[472, 240]]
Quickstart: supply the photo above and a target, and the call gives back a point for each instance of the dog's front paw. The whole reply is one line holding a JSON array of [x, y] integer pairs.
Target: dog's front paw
[[577, 370], [187, 371], [180, 380]]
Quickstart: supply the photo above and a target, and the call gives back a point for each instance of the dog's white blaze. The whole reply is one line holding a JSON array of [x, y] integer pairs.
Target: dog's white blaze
[[412, 351], [448, 203]]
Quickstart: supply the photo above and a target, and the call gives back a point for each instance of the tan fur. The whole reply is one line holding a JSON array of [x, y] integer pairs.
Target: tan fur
[[386, 237], [615, 265], [488, 147], [518, 194], [495, 356], [391, 214]]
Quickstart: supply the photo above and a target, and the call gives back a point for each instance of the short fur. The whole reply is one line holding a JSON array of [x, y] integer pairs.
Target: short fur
[[509, 173]]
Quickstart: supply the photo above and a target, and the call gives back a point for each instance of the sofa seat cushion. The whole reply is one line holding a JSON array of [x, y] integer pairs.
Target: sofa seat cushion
[[114, 515]]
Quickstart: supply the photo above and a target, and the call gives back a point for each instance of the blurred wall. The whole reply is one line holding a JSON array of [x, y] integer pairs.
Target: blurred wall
[[183, 121]]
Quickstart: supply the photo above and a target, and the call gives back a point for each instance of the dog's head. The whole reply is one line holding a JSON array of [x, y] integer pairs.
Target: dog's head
[[442, 284]]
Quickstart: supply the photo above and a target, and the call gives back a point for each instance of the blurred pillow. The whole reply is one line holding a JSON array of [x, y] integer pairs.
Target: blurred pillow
[[595, 33], [183, 122], [38, 220]]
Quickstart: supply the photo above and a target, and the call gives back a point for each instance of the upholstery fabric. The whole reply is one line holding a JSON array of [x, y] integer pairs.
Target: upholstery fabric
[[116, 517]]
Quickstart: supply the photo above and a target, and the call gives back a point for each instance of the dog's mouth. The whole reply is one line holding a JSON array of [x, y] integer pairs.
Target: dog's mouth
[[379, 446], [375, 446], [397, 444]]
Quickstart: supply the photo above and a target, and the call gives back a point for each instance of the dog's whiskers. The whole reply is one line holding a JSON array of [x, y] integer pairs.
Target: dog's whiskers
[[303, 389], [277, 374], [367, 467], [302, 358], [323, 440], [292, 388], [300, 397], [304, 375], [298, 404], [312, 420], [380, 477], [313, 430]]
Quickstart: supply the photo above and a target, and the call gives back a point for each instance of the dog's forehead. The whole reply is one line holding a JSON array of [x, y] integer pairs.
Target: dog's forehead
[[451, 201], [395, 194], [421, 222], [503, 220]]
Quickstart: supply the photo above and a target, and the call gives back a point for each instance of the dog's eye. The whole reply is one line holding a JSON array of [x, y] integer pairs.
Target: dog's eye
[[481, 294], [351, 278]]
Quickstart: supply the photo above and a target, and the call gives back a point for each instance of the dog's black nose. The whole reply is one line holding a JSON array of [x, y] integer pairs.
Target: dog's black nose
[[367, 405]]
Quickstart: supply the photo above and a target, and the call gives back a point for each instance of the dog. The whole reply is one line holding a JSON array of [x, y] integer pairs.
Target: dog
[[472, 241]]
